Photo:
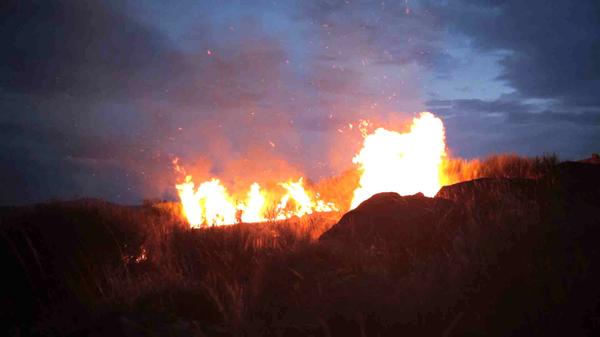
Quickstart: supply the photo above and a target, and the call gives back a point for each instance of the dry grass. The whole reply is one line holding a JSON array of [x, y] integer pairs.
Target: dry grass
[[142, 270], [499, 166], [221, 268]]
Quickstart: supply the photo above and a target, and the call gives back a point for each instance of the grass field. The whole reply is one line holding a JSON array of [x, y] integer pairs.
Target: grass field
[[89, 267]]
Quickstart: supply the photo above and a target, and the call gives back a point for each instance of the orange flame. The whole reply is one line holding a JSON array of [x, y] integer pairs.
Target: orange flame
[[405, 163], [210, 204], [389, 161]]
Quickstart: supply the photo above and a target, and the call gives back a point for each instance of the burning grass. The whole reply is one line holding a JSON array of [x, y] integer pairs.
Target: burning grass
[[498, 166]]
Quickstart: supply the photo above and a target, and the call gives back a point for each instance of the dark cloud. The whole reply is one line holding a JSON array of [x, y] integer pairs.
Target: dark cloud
[[550, 55], [383, 33], [70, 76], [478, 106], [79, 48], [584, 118], [551, 48], [513, 111], [477, 127]]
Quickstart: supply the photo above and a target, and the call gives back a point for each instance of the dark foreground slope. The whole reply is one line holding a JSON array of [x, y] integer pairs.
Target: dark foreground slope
[[485, 257], [526, 250]]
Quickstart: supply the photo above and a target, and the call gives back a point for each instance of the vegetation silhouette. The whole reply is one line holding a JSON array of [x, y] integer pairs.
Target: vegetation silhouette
[[511, 252]]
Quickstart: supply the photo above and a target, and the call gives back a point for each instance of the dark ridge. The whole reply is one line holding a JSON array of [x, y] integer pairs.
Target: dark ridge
[[491, 256], [413, 224]]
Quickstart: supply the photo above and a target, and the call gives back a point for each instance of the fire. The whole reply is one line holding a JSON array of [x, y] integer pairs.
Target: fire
[[255, 205], [216, 203], [190, 201], [211, 204], [405, 163], [389, 161], [297, 195]]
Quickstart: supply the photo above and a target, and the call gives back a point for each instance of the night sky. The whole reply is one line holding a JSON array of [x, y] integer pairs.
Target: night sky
[[98, 97]]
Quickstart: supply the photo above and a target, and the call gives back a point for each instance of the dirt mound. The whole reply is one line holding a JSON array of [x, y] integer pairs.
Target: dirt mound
[[567, 181], [414, 224], [420, 225], [490, 189]]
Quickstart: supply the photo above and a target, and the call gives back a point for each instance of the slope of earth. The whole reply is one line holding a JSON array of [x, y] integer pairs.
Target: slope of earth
[[58, 256], [526, 249], [407, 226], [485, 257]]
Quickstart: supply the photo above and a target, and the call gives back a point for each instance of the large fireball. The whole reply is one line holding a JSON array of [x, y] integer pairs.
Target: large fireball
[[405, 163]]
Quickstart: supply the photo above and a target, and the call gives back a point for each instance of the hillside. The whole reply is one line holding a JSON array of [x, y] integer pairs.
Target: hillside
[[490, 256]]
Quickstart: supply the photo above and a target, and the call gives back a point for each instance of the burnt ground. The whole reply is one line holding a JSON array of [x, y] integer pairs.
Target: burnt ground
[[491, 256]]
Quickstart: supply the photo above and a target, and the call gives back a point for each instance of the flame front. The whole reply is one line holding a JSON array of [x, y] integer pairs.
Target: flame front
[[210, 204], [389, 161], [405, 163], [190, 202], [254, 208]]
